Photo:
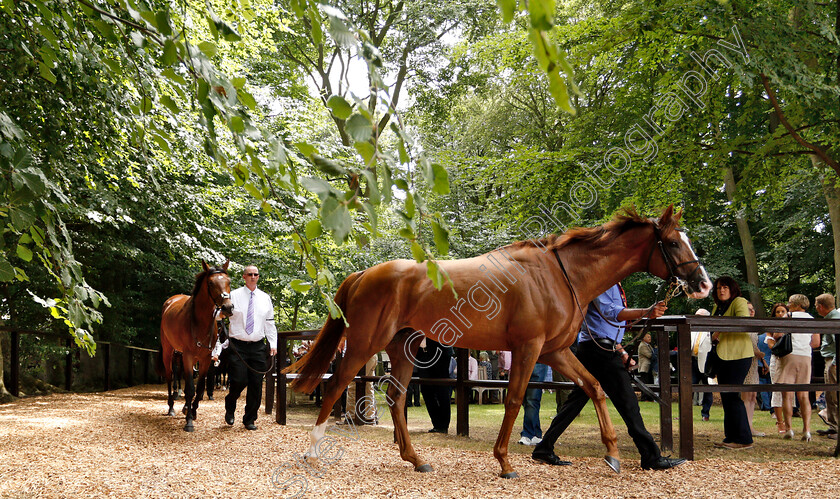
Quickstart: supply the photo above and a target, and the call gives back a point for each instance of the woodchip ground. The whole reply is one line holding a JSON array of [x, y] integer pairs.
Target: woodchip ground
[[120, 444]]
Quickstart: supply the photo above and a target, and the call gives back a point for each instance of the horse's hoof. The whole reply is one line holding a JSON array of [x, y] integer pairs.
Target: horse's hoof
[[509, 474], [424, 468], [171, 413], [190, 428], [209, 397], [311, 461], [613, 463]]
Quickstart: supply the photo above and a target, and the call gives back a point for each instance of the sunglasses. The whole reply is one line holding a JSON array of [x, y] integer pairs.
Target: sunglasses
[[252, 274]]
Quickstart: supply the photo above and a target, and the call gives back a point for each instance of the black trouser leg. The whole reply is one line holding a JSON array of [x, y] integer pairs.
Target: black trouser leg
[[257, 362], [736, 426], [210, 379], [238, 380]]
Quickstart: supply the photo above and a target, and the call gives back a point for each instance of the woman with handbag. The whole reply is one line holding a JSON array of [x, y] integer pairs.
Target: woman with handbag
[[735, 351], [795, 367], [750, 398], [779, 310]]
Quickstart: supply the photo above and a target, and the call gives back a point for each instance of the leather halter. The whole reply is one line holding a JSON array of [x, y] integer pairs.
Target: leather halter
[[670, 264], [222, 296]]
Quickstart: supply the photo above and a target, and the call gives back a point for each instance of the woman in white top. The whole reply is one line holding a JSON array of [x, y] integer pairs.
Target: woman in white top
[[796, 368]]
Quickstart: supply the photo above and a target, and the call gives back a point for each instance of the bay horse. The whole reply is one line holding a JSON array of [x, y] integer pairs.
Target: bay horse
[[516, 298], [188, 326]]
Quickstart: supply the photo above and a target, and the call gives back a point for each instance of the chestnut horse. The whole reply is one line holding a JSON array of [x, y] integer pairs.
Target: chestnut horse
[[516, 298], [188, 326]]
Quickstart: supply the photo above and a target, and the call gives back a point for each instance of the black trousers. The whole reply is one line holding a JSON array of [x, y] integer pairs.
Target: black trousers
[[736, 426], [437, 404], [240, 377], [609, 370]]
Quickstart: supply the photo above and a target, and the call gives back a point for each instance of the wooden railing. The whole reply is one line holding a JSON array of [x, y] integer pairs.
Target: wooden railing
[[659, 328]]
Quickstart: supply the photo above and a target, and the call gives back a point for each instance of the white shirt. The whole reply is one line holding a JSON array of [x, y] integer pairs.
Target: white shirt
[[263, 316], [801, 342], [704, 347]]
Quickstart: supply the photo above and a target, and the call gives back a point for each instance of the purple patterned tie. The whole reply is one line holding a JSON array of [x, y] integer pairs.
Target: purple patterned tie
[[249, 319]]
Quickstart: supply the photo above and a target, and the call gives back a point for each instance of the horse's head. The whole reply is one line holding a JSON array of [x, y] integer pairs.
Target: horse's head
[[671, 256], [218, 286]]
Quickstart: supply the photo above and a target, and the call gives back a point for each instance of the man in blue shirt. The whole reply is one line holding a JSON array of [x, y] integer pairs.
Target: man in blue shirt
[[601, 353]]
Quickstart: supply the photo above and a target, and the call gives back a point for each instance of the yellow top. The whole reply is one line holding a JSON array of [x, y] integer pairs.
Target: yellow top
[[734, 346]]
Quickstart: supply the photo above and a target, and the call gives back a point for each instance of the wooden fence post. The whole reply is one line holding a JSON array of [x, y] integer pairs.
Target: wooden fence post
[[270, 384], [686, 392], [666, 425], [462, 393], [145, 367], [14, 375], [106, 358], [68, 365], [130, 366], [280, 392]]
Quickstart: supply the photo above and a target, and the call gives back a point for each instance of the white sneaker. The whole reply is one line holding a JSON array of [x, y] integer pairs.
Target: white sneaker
[[525, 441], [536, 440]]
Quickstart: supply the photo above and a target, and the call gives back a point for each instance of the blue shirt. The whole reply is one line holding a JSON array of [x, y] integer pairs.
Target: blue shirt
[[610, 304], [764, 347]]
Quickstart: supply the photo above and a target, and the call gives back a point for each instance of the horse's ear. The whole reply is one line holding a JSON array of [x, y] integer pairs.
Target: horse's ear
[[225, 266], [204, 266], [668, 221]]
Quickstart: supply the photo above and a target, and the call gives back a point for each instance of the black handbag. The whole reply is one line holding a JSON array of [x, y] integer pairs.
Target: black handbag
[[712, 363], [783, 346]]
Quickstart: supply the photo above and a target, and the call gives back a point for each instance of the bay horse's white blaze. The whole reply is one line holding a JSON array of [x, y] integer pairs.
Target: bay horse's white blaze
[[706, 284]]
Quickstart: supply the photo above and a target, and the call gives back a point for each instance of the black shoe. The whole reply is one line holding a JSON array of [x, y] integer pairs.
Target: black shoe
[[663, 463], [252, 426], [830, 431], [550, 459], [229, 418], [438, 430]]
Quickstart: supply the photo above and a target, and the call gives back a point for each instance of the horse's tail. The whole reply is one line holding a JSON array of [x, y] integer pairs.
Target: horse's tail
[[315, 363]]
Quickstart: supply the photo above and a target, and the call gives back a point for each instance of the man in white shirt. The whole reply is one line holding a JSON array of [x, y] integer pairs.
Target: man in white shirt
[[251, 324]]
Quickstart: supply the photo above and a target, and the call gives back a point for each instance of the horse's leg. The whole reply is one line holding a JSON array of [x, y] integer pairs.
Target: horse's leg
[[523, 359], [569, 366], [202, 383], [356, 356], [401, 369], [189, 388], [167, 352]]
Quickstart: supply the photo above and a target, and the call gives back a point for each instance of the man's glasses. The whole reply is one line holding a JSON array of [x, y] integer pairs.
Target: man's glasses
[[252, 274]]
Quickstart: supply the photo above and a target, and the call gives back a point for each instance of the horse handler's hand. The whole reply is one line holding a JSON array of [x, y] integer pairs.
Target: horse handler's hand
[[273, 352], [658, 310], [629, 363]]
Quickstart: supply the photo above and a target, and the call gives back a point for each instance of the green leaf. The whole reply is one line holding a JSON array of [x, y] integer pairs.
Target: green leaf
[[24, 253], [49, 35], [310, 269], [306, 149], [170, 53], [336, 218], [340, 33], [409, 205], [240, 174], [508, 8], [208, 48], [315, 22], [367, 151], [440, 182], [22, 217], [441, 235], [339, 106], [172, 75], [7, 272], [163, 23], [359, 128], [328, 166], [434, 274], [300, 286], [558, 90], [542, 14], [46, 73], [313, 229], [373, 187], [238, 82], [236, 124], [169, 103], [404, 158], [417, 252], [246, 99]]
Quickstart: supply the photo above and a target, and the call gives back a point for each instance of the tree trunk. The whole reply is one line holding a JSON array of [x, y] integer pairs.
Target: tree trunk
[[832, 198], [5, 396], [746, 243]]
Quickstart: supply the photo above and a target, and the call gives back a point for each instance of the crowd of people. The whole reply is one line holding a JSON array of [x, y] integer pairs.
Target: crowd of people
[[749, 358]]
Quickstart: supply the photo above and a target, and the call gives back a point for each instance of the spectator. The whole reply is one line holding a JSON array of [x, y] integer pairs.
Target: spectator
[[413, 397], [825, 307], [531, 432], [736, 353], [795, 367], [750, 398], [701, 345], [779, 310], [436, 397], [645, 367], [764, 374], [504, 364], [484, 363]]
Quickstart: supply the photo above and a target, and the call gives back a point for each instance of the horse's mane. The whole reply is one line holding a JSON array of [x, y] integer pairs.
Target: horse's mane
[[199, 278], [597, 237]]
